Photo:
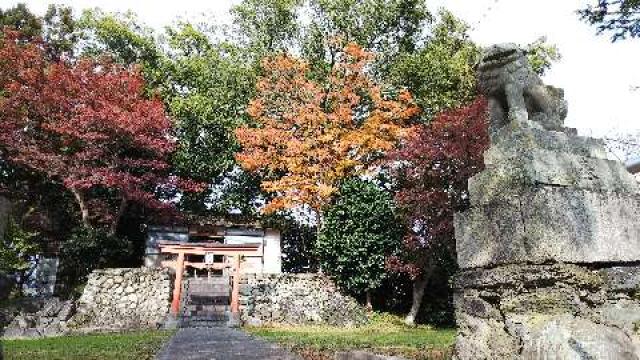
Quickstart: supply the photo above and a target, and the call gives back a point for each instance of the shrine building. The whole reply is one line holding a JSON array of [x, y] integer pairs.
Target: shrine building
[[208, 262]]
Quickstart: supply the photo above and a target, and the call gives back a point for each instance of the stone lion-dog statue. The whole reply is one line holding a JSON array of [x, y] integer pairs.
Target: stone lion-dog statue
[[515, 92]]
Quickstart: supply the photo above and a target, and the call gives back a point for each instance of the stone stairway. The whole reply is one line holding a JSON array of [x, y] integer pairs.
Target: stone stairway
[[205, 302]]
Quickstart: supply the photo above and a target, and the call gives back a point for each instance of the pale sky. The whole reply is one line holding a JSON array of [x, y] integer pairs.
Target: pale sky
[[597, 76]]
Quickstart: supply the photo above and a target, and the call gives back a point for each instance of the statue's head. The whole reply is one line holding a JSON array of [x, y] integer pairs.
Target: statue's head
[[500, 55]]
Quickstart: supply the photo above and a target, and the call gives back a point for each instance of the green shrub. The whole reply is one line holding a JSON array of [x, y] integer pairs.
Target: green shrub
[[18, 248], [88, 249], [359, 232]]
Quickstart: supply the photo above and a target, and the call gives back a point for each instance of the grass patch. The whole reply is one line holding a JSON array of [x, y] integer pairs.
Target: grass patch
[[385, 334], [119, 346]]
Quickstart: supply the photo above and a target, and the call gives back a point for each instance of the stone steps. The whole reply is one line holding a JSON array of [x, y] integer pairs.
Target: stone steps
[[206, 302], [209, 281], [211, 320], [218, 289], [200, 318], [206, 309]]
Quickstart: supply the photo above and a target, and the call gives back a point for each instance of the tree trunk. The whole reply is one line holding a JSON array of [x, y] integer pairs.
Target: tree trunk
[[84, 211], [369, 300], [116, 221], [419, 286]]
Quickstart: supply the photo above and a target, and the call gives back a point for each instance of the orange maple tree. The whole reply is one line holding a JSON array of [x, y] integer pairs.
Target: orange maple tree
[[308, 134]]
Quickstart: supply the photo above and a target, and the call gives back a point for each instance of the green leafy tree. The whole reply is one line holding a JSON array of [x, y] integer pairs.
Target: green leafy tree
[[37, 204], [298, 239], [205, 85], [124, 39], [440, 74], [88, 249], [238, 191], [18, 249], [265, 26], [620, 17], [385, 27], [58, 28], [208, 86], [360, 230], [21, 19], [542, 55], [62, 32]]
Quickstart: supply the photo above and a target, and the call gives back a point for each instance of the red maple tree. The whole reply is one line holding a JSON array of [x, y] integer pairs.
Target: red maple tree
[[86, 125], [432, 169]]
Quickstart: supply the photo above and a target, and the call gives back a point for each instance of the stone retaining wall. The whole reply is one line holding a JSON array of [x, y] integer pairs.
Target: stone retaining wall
[[138, 298], [296, 299], [124, 299], [35, 317]]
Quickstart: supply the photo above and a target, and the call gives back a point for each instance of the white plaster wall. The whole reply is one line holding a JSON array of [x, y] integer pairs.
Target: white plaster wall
[[250, 264], [272, 252]]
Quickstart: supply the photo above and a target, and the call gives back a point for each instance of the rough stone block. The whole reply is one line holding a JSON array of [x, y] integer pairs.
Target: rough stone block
[[483, 339], [546, 300], [622, 278], [519, 138], [470, 303], [550, 249], [530, 276], [547, 168], [622, 313], [38, 317], [549, 311], [550, 224], [569, 337]]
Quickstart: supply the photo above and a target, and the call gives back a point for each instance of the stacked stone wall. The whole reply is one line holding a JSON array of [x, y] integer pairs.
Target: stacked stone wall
[[296, 299], [115, 299], [35, 317]]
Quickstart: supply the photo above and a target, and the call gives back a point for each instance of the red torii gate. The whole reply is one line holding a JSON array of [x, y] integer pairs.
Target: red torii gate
[[234, 251]]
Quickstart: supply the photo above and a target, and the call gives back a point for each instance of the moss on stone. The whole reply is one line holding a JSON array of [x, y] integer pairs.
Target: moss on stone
[[544, 301]]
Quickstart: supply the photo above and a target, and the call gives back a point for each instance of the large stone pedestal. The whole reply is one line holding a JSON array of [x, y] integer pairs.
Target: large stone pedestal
[[549, 251], [559, 311]]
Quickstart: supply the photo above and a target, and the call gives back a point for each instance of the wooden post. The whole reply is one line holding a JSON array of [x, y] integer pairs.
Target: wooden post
[[235, 292], [177, 286]]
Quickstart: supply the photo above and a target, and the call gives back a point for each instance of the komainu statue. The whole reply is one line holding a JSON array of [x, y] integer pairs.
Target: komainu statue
[[549, 249], [515, 92]]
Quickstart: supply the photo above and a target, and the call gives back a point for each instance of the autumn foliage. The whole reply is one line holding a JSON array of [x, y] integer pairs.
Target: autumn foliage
[[87, 125], [433, 168], [309, 135]]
